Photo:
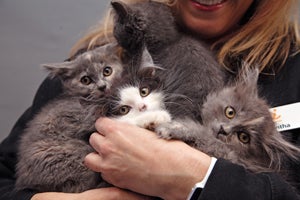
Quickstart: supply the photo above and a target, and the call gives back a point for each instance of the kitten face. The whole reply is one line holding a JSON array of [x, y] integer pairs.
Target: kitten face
[[139, 100], [91, 73], [239, 118], [141, 106], [134, 100], [227, 113]]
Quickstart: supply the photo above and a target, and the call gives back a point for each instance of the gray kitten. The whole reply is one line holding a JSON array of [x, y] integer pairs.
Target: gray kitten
[[91, 73], [55, 142], [237, 125], [191, 70]]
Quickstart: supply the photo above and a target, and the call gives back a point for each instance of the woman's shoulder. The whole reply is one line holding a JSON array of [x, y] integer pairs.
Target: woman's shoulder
[[283, 86], [293, 63]]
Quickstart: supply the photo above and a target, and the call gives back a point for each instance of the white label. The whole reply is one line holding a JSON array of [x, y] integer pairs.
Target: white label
[[286, 117]]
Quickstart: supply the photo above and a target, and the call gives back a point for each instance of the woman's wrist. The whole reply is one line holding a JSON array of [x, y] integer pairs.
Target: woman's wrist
[[193, 166]]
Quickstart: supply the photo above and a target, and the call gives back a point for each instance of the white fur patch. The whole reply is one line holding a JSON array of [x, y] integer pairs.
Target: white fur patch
[[131, 96]]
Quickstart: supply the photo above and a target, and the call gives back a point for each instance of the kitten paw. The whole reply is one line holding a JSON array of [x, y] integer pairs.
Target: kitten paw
[[157, 119], [170, 130], [163, 132]]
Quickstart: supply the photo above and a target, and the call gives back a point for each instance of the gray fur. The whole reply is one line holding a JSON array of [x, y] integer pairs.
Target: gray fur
[[152, 25], [91, 64], [218, 135], [55, 142], [192, 77]]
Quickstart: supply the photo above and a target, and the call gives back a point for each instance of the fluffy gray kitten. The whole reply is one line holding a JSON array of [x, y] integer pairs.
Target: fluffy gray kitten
[[191, 70], [55, 142], [237, 125]]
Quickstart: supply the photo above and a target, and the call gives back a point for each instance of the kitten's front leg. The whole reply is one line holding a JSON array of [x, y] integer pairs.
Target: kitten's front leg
[[149, 120], [186, 130]]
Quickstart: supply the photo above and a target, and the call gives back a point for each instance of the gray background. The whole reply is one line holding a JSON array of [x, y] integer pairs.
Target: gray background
[[33, 32]]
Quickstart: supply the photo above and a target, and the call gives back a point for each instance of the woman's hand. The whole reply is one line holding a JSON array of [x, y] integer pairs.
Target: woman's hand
[[136, 159], [111, 193]]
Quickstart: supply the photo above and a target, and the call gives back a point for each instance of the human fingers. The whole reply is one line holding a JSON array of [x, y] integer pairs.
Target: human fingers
[[93, 161], [96, 141], [105, 125], [111, 193]]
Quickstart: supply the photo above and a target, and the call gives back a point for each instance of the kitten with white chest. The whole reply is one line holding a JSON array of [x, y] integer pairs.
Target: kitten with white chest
[[55, 142], [140, 103], [138, 98]]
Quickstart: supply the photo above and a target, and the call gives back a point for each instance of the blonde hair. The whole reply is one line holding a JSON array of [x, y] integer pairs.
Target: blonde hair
[[266, 39]]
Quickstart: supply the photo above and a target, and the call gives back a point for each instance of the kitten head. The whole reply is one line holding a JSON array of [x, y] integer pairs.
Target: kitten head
[[90, 74], [238, 117], [142, 95], [138, 89], [150, 22]]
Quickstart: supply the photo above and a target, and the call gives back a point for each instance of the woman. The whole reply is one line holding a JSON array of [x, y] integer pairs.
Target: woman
[[262, 32]]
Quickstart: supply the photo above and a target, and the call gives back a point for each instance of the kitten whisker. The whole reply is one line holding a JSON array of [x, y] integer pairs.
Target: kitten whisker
[[255, 121], [175, 97]]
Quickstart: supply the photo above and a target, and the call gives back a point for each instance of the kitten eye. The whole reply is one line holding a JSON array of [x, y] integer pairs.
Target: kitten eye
[[229, 112], [123, 110], [243, 137], [107, 71], [144, 91], [86, 80]]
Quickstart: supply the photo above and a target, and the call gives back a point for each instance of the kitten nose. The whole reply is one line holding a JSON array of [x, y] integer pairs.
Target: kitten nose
[[222, 131], [102, 88], [142, 107]]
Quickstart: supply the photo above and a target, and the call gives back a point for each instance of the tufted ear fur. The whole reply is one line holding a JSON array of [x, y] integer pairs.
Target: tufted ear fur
[[247, 80], [146, 60], [147, 67], [62, 69]]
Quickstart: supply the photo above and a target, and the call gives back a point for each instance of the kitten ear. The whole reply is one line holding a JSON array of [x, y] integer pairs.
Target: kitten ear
[[147, 72], [112, 48], [146, 60], [59, 69], [147, 68], [248, 78], [120, 8]]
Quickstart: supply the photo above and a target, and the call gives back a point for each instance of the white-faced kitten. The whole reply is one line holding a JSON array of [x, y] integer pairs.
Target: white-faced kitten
[[140, 102], [55, 142]]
